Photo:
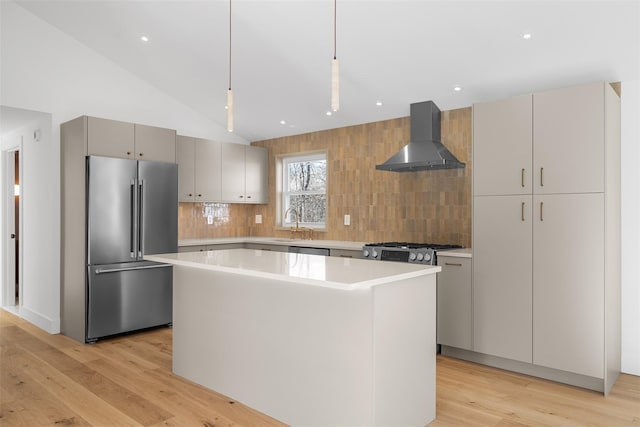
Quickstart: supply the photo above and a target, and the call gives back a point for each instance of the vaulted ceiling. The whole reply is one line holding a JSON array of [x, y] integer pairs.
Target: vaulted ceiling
[[395, 52]]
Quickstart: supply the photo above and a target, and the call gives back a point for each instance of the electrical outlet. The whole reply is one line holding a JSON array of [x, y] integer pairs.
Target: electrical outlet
[[258, 219], [347, 220]]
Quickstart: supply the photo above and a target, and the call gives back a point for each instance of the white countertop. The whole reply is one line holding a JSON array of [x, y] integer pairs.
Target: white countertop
[[330, 244], [315, 270], [459, 253]]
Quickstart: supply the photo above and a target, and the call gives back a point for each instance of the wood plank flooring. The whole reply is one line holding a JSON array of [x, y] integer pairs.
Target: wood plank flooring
[[51, 380]]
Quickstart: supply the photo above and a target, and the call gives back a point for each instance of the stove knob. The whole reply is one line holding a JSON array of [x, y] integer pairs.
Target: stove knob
[[412, 256], [374, 253], [365, 253], [427, 257], [420, 257]]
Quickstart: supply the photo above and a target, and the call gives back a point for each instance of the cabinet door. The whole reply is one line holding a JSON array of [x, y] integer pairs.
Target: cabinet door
[[502, 159], [110, 138], [568, 287], [568, 140], [155, 144], [186, 156], [208, 162], [256, 175], [502, 276], [233, 173], [455, 322]]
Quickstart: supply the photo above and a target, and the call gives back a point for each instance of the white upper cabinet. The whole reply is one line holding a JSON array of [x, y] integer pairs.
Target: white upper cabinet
[[199, 170], [155, 144], [502, 156], [568, 140], [256, 175], [112, 138], [244, 174]]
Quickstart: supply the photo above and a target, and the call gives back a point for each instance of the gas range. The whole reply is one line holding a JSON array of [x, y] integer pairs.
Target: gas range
[[416, 253]]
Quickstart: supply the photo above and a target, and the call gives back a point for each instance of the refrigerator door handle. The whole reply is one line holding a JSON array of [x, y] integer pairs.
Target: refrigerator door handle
[[117, 270], [140, 217], [132, 235]]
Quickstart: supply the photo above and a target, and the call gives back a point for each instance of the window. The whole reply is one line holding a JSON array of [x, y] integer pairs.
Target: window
[[304, 190]]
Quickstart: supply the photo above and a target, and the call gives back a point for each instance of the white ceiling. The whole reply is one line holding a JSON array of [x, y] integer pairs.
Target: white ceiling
[[397, 52]]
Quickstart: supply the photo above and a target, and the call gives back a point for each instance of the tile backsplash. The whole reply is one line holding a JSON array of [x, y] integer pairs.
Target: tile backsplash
[[432, 206]]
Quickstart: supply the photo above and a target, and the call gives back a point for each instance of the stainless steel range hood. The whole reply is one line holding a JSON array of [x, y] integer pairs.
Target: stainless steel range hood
[[424, 151]]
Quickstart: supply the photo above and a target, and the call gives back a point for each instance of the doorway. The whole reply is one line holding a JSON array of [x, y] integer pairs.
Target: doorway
[[11, 237]]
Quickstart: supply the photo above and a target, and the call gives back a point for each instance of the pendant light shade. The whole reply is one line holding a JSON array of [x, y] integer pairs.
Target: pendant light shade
[[230, 110], [335, 66], [335, 85], [229, 91]]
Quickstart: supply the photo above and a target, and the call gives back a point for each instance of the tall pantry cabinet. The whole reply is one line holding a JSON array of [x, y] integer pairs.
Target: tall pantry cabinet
[[546, 233]]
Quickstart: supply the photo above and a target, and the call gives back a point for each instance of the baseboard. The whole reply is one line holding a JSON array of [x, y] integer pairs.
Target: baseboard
[[51, 326], [583, 381]]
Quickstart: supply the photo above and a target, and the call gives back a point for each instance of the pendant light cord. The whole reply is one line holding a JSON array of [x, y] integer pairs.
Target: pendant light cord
[[229, 44], [335, 14]]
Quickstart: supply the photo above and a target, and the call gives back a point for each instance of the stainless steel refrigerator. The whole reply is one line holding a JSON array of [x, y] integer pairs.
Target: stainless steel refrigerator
[[132, 210]]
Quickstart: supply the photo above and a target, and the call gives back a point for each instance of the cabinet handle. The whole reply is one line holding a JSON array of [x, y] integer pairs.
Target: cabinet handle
[[522, 211], [141, 154], [241, 197], [453, 264], [522, 178], [199, 195], [248, 197], [541, 217], [128, 153], [541, 177], [190, 195], [346, 256]]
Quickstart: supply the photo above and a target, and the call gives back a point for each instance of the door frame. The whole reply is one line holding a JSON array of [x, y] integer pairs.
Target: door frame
[[8, 206]]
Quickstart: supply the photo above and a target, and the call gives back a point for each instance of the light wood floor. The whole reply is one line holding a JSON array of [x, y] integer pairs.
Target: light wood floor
[[52, 380]]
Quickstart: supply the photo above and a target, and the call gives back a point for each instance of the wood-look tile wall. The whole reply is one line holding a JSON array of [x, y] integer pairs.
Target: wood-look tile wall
[[433, 206], [227, 220]]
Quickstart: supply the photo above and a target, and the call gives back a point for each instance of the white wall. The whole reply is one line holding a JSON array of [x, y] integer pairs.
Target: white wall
[[40, 210], [631, 227], [45, 70]]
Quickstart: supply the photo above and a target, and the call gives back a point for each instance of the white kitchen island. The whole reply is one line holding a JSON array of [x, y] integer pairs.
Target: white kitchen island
[[307, 339]]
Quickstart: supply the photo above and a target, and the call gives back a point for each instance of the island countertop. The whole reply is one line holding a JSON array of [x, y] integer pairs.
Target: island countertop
[[315, 270]]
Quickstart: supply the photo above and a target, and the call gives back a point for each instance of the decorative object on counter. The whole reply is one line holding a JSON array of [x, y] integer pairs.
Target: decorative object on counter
[[229, 91], [335, 66]]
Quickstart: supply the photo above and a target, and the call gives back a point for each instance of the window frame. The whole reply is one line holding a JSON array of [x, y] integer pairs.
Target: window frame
[[284, 193]]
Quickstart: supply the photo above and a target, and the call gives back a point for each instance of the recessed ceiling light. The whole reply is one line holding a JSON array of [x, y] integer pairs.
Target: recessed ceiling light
[[457, 88], [144, 38], [526, 36], [379, 103], [226, 107], [282, 122], [328, 113]]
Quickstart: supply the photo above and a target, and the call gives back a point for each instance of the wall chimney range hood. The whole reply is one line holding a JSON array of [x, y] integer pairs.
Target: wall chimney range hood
[[424, 151]]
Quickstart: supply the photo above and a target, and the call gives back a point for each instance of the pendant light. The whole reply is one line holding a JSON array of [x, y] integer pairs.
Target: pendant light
[[229, 91], [335, 67]]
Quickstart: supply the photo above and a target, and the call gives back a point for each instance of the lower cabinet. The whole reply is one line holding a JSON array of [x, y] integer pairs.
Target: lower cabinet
[[569, 283], [267, 247], [502, 276], [346, 253], [455, 322]]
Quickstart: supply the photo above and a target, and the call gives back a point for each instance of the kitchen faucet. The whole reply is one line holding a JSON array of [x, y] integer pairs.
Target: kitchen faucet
[[296, 214]]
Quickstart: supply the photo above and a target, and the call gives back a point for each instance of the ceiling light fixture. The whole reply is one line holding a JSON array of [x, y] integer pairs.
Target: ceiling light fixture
[[457, 88], [526, 36], [282, 122], [379, 103], [229, 91], [144, 38], [328, 113], [335, 67]]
